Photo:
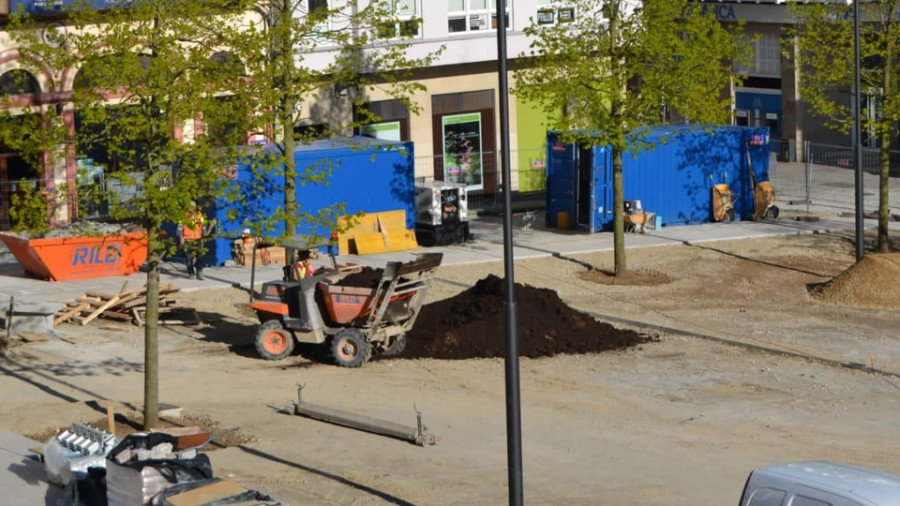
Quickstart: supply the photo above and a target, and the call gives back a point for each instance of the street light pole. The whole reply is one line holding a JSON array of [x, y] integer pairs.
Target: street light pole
[[857, 122], [513, 406]]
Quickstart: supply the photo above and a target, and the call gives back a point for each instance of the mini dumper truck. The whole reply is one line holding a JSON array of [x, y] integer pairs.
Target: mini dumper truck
[[352, 323]]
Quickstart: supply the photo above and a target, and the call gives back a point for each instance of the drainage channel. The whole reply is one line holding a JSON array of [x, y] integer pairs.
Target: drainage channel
[[731, 342]]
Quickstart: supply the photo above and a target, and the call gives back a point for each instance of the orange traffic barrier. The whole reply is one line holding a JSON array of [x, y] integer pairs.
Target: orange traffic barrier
[[63, 258]]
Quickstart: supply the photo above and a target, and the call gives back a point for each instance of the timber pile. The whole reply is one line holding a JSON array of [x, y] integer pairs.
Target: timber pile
[[126, 306]]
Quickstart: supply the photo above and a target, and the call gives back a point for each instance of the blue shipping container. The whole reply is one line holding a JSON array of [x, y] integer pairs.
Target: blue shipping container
[[673, 179], [365, 174]]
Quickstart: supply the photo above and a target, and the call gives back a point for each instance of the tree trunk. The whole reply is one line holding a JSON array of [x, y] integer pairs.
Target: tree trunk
[[285, 52], [151, 319], [617, 104], [884, 214], [619, 213]]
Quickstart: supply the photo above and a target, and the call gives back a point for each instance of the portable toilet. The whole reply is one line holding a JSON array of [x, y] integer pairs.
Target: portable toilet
[[673, 178]]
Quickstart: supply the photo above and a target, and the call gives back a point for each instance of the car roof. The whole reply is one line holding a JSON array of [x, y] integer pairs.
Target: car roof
[[880, 488]]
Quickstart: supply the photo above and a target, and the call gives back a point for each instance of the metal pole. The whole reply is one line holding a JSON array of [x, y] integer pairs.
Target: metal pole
[[807, 156], [857, 114], [513, 407]]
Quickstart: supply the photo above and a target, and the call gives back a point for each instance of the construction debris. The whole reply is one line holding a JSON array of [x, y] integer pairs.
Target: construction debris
[[126, 306], [68, 455]]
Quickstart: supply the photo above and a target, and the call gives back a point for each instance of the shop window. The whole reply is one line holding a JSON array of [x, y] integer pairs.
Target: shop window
[[405, 19], [18, 82], [388, 120], [473, 15], [551, 12], [463, 132], [311, 132]]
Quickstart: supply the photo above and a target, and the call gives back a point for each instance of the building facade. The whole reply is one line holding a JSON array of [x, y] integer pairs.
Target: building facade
[[456, 129]]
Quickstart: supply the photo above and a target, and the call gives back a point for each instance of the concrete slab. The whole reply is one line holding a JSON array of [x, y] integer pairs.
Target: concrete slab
[[27, 315], [25, 481]]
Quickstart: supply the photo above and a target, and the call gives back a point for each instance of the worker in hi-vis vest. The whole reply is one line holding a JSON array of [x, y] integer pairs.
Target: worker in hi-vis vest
[[303, 268], [191, 232]]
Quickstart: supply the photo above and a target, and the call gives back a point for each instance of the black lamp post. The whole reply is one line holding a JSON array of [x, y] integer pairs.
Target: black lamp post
[[513, 406], [857, 122]]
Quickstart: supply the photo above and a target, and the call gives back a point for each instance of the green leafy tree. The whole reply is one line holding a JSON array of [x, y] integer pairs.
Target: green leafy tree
[[616, 69], [146, 71], [825, 56], [327, 57]]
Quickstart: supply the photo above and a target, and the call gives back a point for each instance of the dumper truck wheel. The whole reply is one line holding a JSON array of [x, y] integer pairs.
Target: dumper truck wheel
[[350, 349], [273, 342], [772, 213], [732, 215], [396, 348]]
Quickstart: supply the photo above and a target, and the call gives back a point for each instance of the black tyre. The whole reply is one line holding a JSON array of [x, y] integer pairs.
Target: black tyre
[[731, 215], [772, 213], [349, 348], [273, 341], [396, 348]]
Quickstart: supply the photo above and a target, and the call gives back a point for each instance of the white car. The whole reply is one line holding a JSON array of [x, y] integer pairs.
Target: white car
[[820, 483]]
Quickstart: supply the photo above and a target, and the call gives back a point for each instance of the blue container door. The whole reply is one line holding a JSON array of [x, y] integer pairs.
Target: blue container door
[[562, 179], [602, 212]]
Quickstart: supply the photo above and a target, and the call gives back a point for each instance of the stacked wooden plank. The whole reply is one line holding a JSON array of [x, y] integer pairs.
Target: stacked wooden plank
[[126, 306], [242, 253]]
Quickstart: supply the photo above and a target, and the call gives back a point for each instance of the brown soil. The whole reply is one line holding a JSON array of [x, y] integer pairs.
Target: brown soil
[[471, 324], [366, 278], [874, 281], [630, 278]]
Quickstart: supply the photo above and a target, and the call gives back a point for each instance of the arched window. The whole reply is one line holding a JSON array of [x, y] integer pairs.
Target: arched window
[[111, 71], [224, 65], [18, 82]]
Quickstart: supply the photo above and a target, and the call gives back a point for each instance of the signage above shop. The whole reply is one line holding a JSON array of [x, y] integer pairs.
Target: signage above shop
[[47, 7]]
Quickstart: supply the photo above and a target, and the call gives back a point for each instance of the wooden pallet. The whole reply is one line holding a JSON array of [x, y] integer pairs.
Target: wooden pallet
[[126, 306]]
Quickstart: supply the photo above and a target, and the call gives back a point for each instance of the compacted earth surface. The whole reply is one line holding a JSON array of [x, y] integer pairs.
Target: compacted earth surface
[[664, 388]]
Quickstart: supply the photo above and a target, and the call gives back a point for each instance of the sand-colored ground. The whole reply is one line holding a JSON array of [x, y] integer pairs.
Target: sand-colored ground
[[678, 421]]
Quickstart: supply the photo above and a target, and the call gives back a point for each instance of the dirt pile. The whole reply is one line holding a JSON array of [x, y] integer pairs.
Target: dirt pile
[[874, 281], [471, 325], [366, 278]]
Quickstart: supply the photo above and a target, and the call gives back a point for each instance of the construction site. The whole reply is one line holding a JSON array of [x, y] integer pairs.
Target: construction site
[[728, 346]]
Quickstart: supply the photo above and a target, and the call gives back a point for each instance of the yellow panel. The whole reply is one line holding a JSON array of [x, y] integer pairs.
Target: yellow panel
[[402, 240], [367, 244], [385, 224]]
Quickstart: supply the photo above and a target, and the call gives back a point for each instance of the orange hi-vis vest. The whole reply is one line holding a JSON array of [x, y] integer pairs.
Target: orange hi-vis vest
[[192, 228]]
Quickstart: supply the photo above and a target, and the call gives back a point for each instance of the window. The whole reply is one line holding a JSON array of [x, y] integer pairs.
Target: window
[[473, 15], [551, 12], [405, 20], [18, 82], [766, 497], [766, 57], [318, 10]]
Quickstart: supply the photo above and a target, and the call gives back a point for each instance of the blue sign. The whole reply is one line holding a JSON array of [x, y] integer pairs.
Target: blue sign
[[43, 7], [92, 255], [722, 12]]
